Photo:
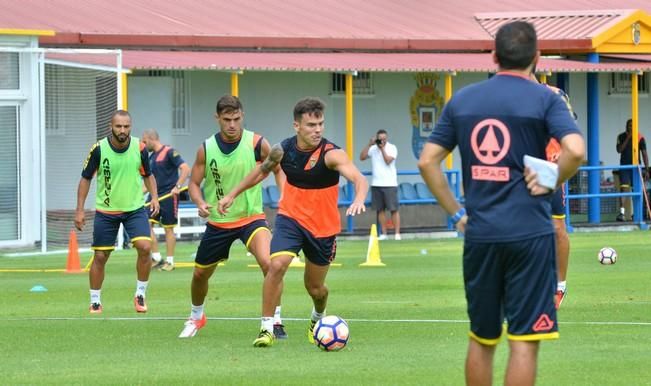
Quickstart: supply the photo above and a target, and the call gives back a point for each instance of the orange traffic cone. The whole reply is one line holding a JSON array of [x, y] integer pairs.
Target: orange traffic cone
[[72, 266]]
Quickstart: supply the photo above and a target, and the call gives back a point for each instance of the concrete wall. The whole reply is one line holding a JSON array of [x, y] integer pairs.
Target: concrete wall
[[269, 98]]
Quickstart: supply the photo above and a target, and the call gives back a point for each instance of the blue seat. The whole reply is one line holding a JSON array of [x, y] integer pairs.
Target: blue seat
[[423, 191], [266, 200], [407, 191], [343, 199], [274, 195]]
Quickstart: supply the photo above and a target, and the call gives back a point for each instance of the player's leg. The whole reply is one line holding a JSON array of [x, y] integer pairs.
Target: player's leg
[[257, 239], [479, 363], [170, 244], [483, 281], [562, 243], [137, 224], [523, 363], [156, 259], [169, 219], [105, 231], [562, 259], [314, 280], [96, 279], [271, 295], [319, 253], [530, 273], [214, 248], [285, 245]]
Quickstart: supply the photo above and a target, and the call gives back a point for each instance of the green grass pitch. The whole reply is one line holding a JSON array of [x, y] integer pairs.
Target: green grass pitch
[[408, 321]]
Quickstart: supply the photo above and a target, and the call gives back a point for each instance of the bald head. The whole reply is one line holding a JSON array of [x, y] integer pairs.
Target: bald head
[[151, 139], [151, 133]]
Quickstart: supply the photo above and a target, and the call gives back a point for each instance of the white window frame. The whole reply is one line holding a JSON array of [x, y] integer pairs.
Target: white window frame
[[19, 177], [181, 112], [363, 84], [619, 84]]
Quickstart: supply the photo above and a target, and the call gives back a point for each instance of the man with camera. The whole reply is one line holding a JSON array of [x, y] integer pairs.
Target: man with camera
[[384, 185]]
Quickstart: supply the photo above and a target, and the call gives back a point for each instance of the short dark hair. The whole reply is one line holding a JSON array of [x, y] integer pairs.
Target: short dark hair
[[382, 131], [123, 113], [516, 45], [309, 105], [228, 104]]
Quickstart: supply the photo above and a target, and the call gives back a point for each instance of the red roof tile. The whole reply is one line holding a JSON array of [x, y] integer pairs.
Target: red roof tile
[[342, 62], [295, 24], [568, 25]]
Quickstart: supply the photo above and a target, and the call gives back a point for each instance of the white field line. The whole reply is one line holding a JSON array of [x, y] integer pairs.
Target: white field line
[[164, 318]]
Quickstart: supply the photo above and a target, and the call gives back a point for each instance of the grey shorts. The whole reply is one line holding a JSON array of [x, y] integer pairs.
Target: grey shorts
[[384, 198]]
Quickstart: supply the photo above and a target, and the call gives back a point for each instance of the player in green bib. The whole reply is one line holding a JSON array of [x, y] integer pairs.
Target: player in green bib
[[223, 160], [121, 164]]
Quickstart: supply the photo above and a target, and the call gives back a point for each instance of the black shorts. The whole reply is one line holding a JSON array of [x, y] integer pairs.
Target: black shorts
[[625, 178], [558, 202], [289, 237], [106, 226], [513, 280], [384, 198], [168, 215], [216, 242]]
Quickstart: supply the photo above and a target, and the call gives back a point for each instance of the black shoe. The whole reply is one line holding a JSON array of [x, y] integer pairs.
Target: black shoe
[[620, 218], [279, 331]]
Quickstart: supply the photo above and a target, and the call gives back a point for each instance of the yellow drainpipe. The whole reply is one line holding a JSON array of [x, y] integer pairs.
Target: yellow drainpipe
[[235, 84], [125, 91], [349, 115], [448, 95], [634, 116]]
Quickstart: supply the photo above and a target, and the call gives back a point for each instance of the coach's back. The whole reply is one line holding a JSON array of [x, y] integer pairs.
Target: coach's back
[[495, 123]]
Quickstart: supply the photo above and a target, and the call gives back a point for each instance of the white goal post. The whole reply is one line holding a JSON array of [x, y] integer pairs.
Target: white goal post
[[78, 91]]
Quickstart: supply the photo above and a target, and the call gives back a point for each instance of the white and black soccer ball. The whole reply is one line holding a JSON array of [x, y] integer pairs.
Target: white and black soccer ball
[[331, 333], [607, 256]]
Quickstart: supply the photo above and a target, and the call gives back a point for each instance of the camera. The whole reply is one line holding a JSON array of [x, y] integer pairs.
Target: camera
[[378, 141]]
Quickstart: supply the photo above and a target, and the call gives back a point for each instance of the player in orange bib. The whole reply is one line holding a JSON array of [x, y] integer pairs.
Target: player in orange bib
[[308, 218], [553, 151]]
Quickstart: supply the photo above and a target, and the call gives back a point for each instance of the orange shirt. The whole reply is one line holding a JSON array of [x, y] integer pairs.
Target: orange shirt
[[311, 191]]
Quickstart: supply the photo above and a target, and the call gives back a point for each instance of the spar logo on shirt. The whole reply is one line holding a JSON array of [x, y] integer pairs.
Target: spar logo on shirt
[[490, 141]]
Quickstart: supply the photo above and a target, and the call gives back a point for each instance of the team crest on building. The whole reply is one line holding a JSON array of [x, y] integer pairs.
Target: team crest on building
[[424, 107]]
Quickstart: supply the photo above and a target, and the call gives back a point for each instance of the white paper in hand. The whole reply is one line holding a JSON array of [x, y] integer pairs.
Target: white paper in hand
[[547, 171]]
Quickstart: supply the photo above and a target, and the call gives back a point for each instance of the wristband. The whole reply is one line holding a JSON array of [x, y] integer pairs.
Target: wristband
[[457, 216]]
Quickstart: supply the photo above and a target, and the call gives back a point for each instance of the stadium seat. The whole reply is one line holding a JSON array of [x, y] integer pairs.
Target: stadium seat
[[343, 199], [266, 200], [423, 192], [407, 191], [274, 195]]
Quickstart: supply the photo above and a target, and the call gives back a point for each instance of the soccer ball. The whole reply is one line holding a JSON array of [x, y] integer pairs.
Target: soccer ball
[[607, 256], [331, 333]]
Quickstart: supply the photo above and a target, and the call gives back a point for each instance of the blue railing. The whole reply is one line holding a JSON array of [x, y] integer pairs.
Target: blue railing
[[423, 196], [454, 181], [637, 193]]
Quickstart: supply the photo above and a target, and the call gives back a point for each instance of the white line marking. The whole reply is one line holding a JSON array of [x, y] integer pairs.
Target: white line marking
[[163, 318]]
